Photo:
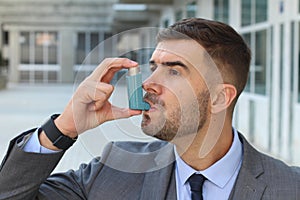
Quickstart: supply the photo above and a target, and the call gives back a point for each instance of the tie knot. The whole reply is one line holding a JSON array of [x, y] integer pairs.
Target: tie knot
[[196, 182]]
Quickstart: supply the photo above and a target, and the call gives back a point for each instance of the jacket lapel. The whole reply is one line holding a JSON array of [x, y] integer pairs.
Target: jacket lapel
[[247, 185], [161, 184]]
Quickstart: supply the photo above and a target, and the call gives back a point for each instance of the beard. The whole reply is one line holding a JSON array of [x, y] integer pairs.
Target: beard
[[183, 118]]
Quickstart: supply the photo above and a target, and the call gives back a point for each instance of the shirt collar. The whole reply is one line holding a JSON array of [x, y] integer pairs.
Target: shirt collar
[[220, 172]]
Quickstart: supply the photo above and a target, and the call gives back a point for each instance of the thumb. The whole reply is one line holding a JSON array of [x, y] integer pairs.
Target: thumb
[[118, 113]]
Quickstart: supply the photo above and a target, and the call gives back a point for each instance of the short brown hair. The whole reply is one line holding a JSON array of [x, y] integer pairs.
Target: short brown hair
[[225, 46]]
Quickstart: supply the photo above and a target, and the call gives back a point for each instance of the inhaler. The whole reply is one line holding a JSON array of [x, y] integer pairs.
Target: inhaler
[[134, 89]]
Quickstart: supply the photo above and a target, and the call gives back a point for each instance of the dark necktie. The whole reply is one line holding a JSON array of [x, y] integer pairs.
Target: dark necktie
[[196, 182]]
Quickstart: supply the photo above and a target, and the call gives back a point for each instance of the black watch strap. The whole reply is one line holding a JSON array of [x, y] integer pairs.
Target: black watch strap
[[58, 139]]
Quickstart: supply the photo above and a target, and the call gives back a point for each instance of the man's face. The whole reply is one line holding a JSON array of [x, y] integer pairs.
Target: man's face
[[176, 91]]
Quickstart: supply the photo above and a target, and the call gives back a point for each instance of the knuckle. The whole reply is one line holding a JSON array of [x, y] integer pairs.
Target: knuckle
[[108, 61]]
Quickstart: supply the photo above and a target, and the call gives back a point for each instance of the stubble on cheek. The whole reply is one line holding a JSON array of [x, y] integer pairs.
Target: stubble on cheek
[[180, 121]]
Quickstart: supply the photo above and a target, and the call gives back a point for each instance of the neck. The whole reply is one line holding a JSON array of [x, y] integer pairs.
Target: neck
[[207, 147]]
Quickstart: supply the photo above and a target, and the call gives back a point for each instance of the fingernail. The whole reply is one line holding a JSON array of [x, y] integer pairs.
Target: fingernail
[[133, 62]]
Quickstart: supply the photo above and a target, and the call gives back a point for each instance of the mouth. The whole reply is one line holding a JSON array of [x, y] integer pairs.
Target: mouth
[[152, 109], [154, 102]]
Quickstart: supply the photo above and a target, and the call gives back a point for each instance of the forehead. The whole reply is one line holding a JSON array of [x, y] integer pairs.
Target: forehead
[[188, 51]]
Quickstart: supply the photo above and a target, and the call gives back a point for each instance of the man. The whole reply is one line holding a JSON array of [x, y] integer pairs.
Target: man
[[199, 68]]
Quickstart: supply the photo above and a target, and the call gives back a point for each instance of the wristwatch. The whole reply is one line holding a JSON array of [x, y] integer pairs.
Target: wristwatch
[[58, 139]]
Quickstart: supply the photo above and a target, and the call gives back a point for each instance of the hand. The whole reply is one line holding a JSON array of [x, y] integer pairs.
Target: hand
[[89, 106]]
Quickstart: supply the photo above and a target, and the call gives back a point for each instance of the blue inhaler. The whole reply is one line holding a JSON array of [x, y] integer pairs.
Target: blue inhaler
[[134, 90]]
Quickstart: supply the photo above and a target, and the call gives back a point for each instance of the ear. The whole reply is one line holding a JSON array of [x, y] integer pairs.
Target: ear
[[223, 97]]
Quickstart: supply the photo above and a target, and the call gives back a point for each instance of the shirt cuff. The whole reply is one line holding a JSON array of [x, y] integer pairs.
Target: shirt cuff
[[33, 145]]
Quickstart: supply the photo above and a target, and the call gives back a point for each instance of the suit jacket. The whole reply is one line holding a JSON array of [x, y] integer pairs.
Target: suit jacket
[[133, 170]]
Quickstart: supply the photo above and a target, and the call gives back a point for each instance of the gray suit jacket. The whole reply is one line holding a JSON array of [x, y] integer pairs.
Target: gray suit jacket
[[131, 170]]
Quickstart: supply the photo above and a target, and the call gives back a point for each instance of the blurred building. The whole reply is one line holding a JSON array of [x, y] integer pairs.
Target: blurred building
[[48, 41]]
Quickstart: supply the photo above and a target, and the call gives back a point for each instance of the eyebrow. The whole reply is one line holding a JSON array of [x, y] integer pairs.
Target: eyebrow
[[170, 64]]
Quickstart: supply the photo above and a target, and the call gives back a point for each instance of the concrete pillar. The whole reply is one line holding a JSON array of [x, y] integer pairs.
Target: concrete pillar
[[205, 9], [235, 13], [67, 55], [14, 55], [275, 88]]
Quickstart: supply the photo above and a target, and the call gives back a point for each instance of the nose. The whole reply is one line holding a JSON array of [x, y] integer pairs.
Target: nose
[[152, 85]]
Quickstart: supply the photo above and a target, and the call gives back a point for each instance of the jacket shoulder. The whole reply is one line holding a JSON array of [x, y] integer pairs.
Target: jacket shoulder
[[278, 169], [279, 178], [138, 157], [141, 147]]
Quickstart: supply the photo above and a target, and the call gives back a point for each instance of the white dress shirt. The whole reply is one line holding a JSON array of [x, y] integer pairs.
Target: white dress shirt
[[221, 176], [33, 145]]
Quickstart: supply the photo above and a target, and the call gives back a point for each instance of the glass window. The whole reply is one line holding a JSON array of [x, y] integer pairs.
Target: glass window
[[94, 40], [88, 49], [52, 48], [221, 10], [191, 9], [80, 55], [5, 37], [257, 41], [25, 48], [260, 61], [24, 76], [247, 38], [45, 48], [299, 83], [246, 12], [94, 57], [178, 15], [39, 76], [52, 76], [39, 48], [166, 23], [254, 11], [261, 11]]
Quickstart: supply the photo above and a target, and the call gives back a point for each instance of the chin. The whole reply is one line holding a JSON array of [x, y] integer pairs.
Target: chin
[[148, 130], [158, 133]]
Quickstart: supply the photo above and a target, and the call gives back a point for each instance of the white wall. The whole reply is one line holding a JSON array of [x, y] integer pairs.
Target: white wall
[[296, 136], [258, 129]]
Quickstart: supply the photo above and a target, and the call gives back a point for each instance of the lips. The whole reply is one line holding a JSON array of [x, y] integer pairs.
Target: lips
[[154, 102], [152, 106], [152, 109]]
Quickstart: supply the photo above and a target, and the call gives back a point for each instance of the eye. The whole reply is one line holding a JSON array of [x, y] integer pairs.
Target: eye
[[153, 68], [174, 72]]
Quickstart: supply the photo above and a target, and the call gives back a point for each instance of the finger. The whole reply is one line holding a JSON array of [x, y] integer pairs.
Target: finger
[[90, 91], [109, 74], [119, 113], [102, 93], [107, 64]]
